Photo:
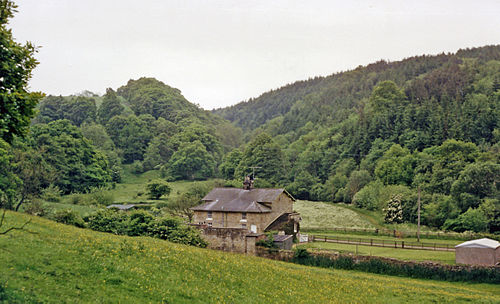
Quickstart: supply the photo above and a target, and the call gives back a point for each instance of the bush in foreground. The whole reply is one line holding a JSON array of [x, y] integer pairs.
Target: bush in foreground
[[142, 223]]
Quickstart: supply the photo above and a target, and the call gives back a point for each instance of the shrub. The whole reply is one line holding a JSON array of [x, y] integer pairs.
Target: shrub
[[102, 197], [137, 167], [158, 188], [68, 217], [394, 211], [51, 194], [142, 223], [138, 223], [36, 208], [368, 196], [107, 220], [471, 220], [268, 242], [76, 199], [414, 270]]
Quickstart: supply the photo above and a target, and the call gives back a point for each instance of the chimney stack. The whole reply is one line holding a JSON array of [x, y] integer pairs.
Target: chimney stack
[[248, 183]]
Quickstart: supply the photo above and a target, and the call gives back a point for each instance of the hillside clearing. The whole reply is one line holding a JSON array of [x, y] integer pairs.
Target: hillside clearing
[[60, 264], [327, 215]]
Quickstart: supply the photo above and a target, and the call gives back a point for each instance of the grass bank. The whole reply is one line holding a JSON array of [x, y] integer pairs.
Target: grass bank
[[56, 263]]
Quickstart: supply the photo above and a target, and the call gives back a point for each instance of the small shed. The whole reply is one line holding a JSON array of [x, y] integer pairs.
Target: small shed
[[478, 252], [121, 207], [283, 241]]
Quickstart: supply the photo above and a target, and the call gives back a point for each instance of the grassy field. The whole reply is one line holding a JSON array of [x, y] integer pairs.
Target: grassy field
[[63, 264], [130, 191], [445, 257], [385, 238], [327, 215]]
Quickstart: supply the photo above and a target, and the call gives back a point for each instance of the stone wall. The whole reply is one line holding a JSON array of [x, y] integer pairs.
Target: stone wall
[[283, 204], [230, 239]]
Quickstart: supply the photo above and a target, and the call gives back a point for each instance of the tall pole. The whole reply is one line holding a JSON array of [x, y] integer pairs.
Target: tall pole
[[418, 216], [253, 171]]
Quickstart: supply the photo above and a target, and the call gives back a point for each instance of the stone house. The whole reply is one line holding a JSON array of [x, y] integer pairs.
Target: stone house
[[232, 217]]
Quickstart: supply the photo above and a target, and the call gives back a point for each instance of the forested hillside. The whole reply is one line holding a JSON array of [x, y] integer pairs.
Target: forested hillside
[[374, 135], [77, 144]]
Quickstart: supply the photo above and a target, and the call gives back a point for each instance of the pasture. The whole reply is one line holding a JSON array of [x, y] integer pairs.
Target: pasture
[[55, 263]]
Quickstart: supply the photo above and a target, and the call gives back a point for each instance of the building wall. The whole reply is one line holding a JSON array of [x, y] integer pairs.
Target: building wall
[[231, 219], [230, 239], [283, 204], [475, 256]]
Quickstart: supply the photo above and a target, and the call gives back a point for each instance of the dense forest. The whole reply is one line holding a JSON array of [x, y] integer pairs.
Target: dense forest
[[376, 134], [372, 137]]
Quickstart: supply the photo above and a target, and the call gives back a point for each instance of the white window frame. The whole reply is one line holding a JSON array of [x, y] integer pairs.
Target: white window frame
[[209, 215]]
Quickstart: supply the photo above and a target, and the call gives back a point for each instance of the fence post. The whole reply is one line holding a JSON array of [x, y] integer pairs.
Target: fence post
[[402, 244], [371, 242], [395, 244]]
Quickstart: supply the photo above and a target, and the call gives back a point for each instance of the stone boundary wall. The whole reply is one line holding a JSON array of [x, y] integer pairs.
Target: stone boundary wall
[[287, 255], [230, 239]]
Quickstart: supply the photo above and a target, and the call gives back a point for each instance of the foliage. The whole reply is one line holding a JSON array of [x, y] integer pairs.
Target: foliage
[[101, 197], [78, 165], [415, 270], [158, 188], [262, 152], [51, 194], [471, 220], [68, 217], [267, 242], [17, 105], [110, 107], [9, 182], [394, 211], [191, 162], [142, 223], [230, 163]]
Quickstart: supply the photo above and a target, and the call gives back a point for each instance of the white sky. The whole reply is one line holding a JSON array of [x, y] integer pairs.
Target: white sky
[[219, 53]]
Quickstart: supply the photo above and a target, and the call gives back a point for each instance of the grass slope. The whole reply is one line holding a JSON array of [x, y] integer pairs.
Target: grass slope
[[64, 264], [327, 215]]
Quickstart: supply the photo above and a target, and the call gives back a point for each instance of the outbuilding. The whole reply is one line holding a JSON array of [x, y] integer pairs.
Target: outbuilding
[[478, 252]]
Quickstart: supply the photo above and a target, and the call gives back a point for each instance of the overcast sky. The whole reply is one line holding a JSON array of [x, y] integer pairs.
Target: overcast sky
[[219, 53]]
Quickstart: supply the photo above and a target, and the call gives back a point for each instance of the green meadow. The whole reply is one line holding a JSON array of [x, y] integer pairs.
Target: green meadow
[[55, 263]]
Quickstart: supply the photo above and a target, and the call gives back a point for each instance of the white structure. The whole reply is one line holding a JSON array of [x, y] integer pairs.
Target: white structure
[[478, 252]]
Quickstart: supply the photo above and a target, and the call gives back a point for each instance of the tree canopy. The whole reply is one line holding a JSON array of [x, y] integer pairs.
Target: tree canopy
[[17, 63]]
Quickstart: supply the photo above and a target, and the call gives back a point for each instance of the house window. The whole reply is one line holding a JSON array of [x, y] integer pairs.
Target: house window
[[244, 226], [209, 215], [210, 224], [244, 216]]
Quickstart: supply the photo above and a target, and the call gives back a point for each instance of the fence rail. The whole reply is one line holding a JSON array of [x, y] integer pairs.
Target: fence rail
[[382, 243], [399, 233]]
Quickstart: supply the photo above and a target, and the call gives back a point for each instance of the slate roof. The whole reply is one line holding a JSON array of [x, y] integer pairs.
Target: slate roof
[[281, 238], [239, 200], [480, 243]]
